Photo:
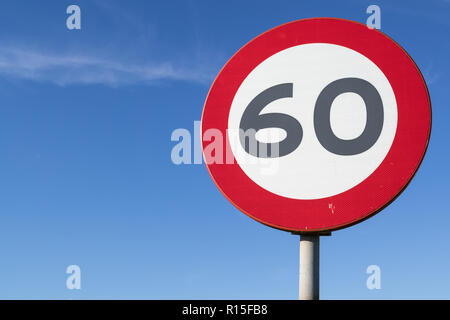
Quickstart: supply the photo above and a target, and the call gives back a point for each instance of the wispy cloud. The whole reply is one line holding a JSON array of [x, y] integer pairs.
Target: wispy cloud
[[67, 69], [431, 76]]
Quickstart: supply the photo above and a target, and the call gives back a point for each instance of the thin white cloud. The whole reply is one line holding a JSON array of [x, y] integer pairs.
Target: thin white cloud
[[430, 75], [81, 69]]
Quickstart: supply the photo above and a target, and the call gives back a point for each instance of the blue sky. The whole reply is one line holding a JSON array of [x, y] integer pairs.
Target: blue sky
[[86, 176]]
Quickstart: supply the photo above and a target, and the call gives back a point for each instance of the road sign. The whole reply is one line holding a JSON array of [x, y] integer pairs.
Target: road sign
[[327, 120]]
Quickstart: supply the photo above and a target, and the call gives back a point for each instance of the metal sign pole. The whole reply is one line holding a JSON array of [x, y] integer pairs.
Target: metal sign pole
[[309, 267], [308, 288]]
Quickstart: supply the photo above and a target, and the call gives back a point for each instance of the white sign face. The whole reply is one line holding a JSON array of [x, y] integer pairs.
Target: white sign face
[[337, 146]]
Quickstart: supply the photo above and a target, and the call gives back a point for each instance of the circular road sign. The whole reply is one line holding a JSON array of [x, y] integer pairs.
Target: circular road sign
[[326, 120]]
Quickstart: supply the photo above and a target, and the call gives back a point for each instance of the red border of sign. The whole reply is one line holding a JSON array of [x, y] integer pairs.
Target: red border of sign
[[376, 191]]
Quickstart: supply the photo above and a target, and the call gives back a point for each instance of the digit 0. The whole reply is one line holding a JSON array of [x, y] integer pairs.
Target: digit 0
[[374, 111]]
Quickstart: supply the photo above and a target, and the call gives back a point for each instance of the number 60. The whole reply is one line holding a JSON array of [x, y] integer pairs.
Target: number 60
[[252, 120]]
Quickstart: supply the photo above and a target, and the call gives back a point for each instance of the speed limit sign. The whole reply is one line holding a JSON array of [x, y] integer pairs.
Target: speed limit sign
[[339, 112]]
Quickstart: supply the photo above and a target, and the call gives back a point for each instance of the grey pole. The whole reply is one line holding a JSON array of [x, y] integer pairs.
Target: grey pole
[[309, 267]]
